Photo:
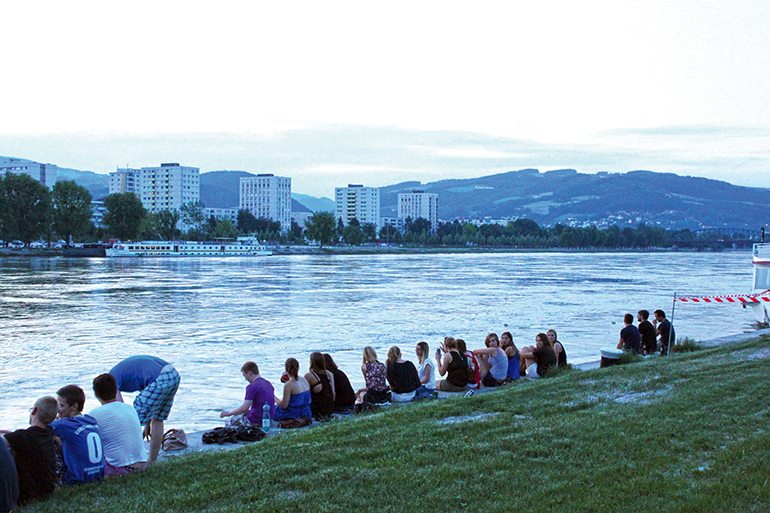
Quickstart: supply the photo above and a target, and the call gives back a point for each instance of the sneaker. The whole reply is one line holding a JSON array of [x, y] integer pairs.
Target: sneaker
[[469, 393]]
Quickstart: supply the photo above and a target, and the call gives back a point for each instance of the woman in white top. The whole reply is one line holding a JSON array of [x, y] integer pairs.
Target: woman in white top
[[426, 369]]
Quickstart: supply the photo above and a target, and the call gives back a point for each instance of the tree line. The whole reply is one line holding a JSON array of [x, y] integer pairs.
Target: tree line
[[29, 211]]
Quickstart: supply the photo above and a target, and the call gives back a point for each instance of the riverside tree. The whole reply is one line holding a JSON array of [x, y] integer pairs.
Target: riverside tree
[[26, 210], [124, 215], [321, 227], [72, 209]]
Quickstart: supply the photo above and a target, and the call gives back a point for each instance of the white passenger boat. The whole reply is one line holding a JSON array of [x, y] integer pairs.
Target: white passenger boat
[[244, 246], [761, 263]]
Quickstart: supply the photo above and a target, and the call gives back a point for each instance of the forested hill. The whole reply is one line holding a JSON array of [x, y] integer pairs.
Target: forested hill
[[568, 197]]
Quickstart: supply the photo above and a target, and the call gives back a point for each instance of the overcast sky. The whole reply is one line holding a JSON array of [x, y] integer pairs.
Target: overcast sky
[[331, 93]]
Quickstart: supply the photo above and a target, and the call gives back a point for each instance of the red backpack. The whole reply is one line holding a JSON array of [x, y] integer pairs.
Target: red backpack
[[473, 370]]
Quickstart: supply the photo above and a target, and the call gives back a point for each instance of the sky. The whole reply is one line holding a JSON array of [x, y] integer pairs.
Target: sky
[[331, 93]]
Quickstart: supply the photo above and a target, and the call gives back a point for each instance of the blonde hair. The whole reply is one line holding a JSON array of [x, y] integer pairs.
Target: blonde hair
[[394, 353], [370, 355], [450, 343], [424, 351], [47, 409]]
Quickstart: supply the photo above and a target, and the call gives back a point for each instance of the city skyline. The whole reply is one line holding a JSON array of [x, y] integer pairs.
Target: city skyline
[[349, 93]]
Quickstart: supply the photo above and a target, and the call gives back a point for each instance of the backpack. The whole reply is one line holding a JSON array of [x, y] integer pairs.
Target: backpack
[[473, 370]]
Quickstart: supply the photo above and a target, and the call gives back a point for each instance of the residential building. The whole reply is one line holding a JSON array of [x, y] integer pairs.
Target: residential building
[[267, 196], [300, 213], [221, 213], [357, 202], [418, 204], [126, 180], [168, 186], [43, 173], [97, 212]]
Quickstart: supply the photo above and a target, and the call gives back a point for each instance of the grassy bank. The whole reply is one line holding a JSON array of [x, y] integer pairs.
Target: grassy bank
[[687, 433]]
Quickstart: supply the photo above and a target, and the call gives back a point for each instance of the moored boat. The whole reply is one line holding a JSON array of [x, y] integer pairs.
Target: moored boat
[[761, 263], [244, 246]]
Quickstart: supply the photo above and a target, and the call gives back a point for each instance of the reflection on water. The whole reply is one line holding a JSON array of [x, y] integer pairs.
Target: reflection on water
[[68, 320]]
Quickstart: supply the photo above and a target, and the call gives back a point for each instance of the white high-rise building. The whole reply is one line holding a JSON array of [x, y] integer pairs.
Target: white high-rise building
[[168, 187], [125, 180], [43, 173], [357, 202], [269, 197], [418, 204]]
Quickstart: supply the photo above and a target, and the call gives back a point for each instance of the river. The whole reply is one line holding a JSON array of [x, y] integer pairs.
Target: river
[[67, 320]]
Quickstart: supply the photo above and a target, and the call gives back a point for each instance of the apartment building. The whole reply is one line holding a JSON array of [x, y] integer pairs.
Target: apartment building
[[168, 186], [125, 180], [43, 173], [267, 196], [357, 202], [417, 204]]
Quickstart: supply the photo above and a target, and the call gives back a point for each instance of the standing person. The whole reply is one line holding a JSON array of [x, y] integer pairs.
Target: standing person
[[558, 348], [321, 384], [34, 452], [9, 480], [295, 403], [259, 392], [402, 376], [494, 362], [156, 381], [375, 375], [630, 339], [647, 331], [453, 363], [665, 329], [121, 432], [514, 357], [426, 370], [80, 437], [344, 396], [539, 358]]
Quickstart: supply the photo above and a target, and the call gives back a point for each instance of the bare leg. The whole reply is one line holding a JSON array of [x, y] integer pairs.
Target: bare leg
[[156, 438], [484, 365]]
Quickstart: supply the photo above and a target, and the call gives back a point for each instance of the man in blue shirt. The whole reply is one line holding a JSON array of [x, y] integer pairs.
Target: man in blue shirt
[[156, 381], [80, 438], [630, 338]]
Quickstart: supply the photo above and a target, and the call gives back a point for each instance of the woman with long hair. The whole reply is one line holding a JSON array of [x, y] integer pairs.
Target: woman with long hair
[[402, 376], [295, 402], [344, 396], [454, 365], [514, 357], [493, 362], [375, 375], [558, 348], [426, 370], [321, 384], [539, 358]]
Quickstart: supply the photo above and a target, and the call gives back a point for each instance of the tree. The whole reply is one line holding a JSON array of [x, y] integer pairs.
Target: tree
[[72, 209], [353, 235], [247, 223], [28, 212], [321, 227], [124, 215], [167, 221], [192, 215], [389, 234]]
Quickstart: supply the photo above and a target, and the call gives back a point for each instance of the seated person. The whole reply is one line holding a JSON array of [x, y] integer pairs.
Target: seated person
[[513, 355], [344, 396], [321, 384], [539, 358], [474, 368], [665, 329], [119, 428], [34, 452], [558, 348], [259, 392], [80, 438], [402, 376], [9, 480], [295, 402], [375, 375], [453, 363], [630, 339], [426, 371], [647, 331], [493, 362]]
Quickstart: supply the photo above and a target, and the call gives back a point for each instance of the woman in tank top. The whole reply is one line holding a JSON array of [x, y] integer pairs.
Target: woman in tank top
[[514, 357], [295, 402], [454, 365], [321, 384], [493, 361]]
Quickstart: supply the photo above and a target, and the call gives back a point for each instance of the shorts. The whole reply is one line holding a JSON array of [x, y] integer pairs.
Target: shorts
[[155, 401], [532, 371], [445, 386]]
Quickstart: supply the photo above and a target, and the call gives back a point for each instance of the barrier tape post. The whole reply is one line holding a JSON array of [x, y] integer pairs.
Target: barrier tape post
[[671, 330]]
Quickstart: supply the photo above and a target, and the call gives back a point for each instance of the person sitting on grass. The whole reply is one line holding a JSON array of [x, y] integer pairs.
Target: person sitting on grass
[[558, 348], [493, 362], [321, 383], [513, 355], [9, 480], [539, 358], [80, 438], [647, 331], [344, 395], [402, 376], [426, 371], [295, 402], [375, 375], [259, 392], [474, 378], [119, 427], [454, 365], [34, 452], [630, 339]]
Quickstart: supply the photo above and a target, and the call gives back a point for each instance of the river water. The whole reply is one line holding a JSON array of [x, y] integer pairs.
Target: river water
[[67, 320]]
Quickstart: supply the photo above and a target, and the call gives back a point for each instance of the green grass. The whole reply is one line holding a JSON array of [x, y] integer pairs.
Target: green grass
[[684, 433]]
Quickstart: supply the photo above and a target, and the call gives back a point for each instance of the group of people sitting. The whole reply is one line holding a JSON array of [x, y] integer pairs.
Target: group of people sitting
[[643, 339], [64, 446], [325, 389]]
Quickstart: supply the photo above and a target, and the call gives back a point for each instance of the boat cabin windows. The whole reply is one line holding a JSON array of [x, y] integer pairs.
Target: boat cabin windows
[[762, 278]]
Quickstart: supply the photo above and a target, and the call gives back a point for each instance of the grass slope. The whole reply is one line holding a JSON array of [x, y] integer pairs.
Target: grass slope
[[687, 433]]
